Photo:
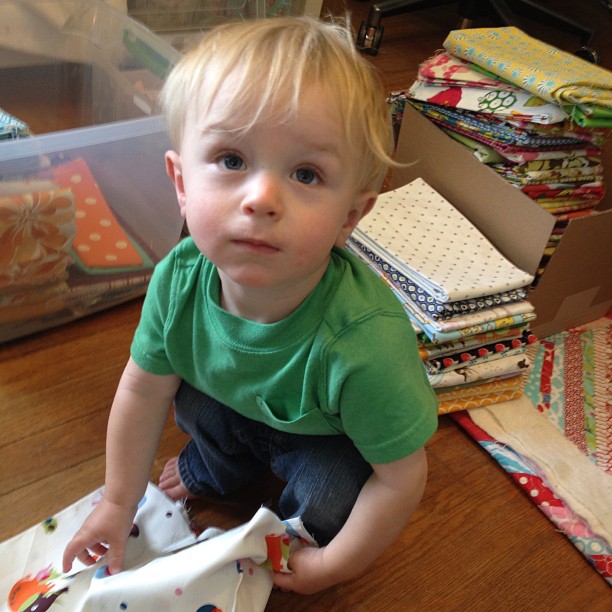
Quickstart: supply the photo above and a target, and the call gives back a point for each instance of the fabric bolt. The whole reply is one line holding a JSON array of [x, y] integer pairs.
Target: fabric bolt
[[167, 566], [542, 69], [481, 372], [424, 237], [499, 102]]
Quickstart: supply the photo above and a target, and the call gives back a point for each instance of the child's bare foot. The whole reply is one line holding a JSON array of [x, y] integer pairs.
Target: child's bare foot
[[171, 483]]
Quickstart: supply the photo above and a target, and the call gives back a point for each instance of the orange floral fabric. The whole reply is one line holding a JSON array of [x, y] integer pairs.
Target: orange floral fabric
[[36, 234]]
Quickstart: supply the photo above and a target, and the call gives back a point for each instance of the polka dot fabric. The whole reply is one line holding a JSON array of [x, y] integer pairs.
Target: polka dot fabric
[[100, 241], [421, 234]]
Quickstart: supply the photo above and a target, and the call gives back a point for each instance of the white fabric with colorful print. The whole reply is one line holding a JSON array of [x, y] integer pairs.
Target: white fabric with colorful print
[[167, 566]]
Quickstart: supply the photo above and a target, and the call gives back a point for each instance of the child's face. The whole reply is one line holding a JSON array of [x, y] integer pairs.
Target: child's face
[[268, 206]]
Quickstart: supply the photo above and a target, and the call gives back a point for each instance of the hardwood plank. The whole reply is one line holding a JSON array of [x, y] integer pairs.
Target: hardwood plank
[[476, 542]]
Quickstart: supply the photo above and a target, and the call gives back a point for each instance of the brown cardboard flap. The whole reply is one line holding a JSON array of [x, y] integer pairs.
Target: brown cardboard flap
[[576, 286], [517, 226]]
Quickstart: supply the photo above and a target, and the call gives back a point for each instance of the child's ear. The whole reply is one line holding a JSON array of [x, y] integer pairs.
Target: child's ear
[[364, 202], [175, 172]]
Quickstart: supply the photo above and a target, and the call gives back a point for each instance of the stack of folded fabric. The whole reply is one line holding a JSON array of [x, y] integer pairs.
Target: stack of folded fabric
[[537, 115], [465, 299], [62, 249]]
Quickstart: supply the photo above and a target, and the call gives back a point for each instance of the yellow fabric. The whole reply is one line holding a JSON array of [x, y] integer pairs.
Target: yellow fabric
[[541, 69], [483, 394]]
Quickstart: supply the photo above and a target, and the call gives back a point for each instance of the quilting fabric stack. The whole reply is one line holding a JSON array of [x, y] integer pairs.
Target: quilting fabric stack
[[465, 299], [62, 249], [536, 115]]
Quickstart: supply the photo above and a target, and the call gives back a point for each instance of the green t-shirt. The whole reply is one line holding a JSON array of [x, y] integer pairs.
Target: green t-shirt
[[345, 361]]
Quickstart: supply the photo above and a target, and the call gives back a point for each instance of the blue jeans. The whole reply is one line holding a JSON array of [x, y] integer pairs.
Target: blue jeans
[[324, 474]]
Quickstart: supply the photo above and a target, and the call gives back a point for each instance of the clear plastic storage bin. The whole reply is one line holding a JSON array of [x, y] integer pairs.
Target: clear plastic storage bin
[[180, 21], [86, 208]]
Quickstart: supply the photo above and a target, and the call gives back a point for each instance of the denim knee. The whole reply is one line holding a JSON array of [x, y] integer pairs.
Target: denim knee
[[215, 460], [324, 475]]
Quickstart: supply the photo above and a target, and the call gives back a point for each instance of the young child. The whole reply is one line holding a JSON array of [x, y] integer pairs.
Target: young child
[[278, 349]]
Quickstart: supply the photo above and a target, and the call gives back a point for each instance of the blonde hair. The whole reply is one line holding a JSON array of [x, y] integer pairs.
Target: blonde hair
[[271, 62]]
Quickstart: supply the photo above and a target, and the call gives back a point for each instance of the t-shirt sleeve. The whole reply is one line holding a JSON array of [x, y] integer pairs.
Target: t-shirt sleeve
[[148, 348], [387, 406]]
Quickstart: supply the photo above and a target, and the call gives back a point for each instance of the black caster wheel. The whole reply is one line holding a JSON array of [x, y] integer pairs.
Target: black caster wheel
[[588, 54], [368, 39]]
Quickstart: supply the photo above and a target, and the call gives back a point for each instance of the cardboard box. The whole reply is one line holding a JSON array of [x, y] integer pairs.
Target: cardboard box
[[576, 286]]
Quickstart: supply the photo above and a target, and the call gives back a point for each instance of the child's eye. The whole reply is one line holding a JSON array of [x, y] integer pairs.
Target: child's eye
[[233, 162], [305, 175]]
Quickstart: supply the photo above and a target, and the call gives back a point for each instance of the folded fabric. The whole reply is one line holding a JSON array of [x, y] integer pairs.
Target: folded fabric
[[492, 385], [542, 69], [491, 129], [167, 566], [448, 70], [520, 155], [423, 236], [439, 336], [550, 192], [479, 354], [434, 309], [101, 244], [428, 350], [446, 406], [506, 366], [498, 102], [482, 152], [36, 234], [472, 319], [592, 116]]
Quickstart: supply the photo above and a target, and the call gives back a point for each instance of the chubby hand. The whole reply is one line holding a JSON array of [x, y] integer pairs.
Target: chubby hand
[[309, 573], [104, 532]]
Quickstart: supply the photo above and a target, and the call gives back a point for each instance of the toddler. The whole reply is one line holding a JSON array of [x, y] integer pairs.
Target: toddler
[[278, 349]]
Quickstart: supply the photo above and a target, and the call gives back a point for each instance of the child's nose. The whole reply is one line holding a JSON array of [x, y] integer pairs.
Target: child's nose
[[263, 196]]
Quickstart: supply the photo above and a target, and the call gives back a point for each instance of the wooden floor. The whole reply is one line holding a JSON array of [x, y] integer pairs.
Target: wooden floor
[[476, 542]]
